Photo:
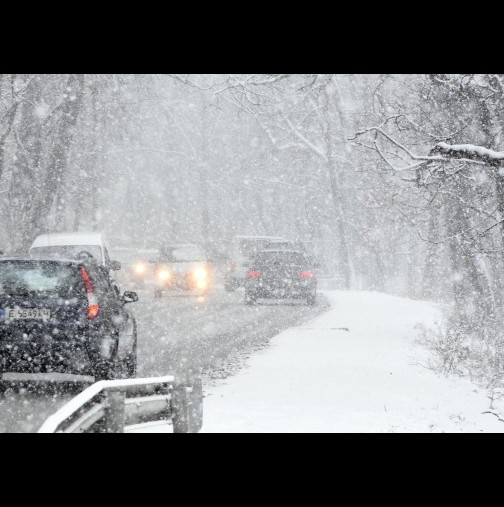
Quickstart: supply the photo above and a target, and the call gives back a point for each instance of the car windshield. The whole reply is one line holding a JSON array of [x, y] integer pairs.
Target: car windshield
[[66, 251], [22, 278], [131, 256], [182, 254], [283, 258]]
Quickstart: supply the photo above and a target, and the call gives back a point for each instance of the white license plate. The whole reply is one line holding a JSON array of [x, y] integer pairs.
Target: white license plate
[[18, 313]]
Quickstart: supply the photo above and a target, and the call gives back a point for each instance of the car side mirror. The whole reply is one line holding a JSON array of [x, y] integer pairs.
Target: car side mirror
[[114, 265], [129, 297]]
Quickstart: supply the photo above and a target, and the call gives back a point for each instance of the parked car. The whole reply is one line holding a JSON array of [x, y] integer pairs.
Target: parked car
[[281, 274], [64, 316], [242, 250], [71, 244], [182, 267]]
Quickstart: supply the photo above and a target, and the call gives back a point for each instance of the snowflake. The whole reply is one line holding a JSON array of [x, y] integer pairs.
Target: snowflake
[[42, 110]]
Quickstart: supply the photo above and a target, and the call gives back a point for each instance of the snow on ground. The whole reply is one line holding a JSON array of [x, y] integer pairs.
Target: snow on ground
[[317, 378], [356, 368]]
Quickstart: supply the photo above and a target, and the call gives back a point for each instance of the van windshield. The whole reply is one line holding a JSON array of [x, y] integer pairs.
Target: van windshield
[[66, 251]]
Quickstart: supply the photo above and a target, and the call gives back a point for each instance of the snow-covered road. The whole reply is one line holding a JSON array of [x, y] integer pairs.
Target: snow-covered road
[[177, 333], [356, 368]]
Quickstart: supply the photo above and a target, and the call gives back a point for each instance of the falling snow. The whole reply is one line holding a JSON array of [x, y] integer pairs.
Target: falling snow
[[390, 186]]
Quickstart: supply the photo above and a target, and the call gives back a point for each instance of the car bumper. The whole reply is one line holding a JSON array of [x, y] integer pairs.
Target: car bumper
[[45, 377], [265, 290], [30, 357], [69, 353]]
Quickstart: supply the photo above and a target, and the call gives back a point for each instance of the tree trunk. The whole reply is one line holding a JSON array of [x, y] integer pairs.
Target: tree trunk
[[338, 199]]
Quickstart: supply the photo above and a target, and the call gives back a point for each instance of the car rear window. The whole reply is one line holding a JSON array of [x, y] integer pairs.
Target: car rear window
[[250, 247], [286, 258], [67, 251], [44, 278], [284, 245]]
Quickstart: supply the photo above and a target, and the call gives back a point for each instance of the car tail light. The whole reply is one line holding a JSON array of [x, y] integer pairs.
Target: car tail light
[[93, 307], [255, 274], [306, 274]]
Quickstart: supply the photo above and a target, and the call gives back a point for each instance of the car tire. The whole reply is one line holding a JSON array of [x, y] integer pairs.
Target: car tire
[[130, 363], [250, 300], [311, 300]]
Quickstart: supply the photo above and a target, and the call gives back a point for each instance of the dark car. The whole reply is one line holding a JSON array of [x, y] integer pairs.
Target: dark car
[[64, 316], [281, 274]]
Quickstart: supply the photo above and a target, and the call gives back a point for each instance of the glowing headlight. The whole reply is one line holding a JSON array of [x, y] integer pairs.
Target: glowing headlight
[[201, 284], [200, 274], [139, 268], [164, 275]]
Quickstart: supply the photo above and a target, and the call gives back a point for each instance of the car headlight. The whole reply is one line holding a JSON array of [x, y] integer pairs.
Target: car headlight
[[200, 274], [201, 284], [164, 275], [139, 268]]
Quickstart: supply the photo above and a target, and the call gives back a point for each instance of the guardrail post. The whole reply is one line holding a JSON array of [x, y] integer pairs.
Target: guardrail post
[[102, 408], [196, 406], [114, 412], [180, 408]]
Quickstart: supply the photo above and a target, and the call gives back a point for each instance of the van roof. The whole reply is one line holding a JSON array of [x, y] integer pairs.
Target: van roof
[[45, 258], [68, 239]]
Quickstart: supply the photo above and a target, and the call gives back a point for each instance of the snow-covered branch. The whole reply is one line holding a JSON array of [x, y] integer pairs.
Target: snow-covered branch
[[470, 152], [463, 153]]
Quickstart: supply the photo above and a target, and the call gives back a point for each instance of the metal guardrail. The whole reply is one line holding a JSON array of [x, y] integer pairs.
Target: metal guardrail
[[108, 406]]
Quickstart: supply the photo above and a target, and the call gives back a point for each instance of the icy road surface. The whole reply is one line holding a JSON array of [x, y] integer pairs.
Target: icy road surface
[[177, 333]]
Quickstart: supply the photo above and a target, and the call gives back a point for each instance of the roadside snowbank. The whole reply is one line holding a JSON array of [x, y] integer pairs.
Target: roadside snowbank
[[321, 377]]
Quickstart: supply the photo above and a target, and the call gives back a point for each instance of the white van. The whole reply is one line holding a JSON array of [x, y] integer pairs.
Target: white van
[[242, 250], [71, 245]]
